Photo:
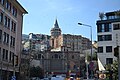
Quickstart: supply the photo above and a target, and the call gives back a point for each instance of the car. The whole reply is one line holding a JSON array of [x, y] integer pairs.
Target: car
[[57, 78], [35, 78], [46, 79]]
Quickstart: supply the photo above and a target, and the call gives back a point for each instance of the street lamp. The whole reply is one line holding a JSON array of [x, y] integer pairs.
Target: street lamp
[[90, 35], [91, 46]]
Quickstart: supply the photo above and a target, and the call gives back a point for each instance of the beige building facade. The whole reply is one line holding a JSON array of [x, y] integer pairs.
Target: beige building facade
[[11, 22]]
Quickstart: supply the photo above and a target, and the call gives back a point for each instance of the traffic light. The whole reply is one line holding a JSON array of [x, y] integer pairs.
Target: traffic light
[[116, 51], [16, 60], [13, 59]]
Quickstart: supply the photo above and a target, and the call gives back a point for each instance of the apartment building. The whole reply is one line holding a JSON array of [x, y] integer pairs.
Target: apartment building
[[108, 34], [11, 21], [39, 42]]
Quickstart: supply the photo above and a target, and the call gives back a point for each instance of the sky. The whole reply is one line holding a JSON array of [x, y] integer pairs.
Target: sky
[[42, 14]]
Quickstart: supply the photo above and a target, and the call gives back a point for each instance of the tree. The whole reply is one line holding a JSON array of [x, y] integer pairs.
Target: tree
[[36, 72], [113, 69], [117, 13], [101, 15], [88, 57], [94, 56]]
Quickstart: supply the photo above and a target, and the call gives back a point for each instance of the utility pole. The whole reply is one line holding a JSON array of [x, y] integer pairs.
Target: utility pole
[[29, 58]]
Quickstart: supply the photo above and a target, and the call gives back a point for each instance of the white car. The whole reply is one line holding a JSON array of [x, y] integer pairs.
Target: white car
[[57, 78], [35, 78], [46, 78]]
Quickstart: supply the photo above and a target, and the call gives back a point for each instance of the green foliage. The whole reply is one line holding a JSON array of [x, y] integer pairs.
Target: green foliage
[[114, 68], [36, 72], [88, 57], [101, 15], [94, 56]]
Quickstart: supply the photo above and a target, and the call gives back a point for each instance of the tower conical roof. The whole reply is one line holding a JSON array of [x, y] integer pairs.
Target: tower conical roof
[[56, 24], [55, 31]]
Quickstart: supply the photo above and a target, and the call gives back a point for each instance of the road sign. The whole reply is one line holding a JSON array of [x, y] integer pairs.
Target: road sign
[[13, 78]]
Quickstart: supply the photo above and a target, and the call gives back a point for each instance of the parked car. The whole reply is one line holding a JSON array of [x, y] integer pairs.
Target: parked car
[[35, 78], [46, 79], [58, 77]]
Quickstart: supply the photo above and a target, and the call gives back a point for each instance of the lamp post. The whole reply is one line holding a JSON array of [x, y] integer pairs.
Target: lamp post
[[29, 59], [91, 45], [90, 36]]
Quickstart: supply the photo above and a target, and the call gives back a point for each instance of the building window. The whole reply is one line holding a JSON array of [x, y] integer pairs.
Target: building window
[[56, 56], [109, 60], [99, 28], [74, 67], [100, 38], [111, 17], [104, 37], [108, 37], [4, 37], [12, 41], [108, 48], [7, 38], [2, 2], [13, 26], [5, 54], [108, 27], [52, 43], [100, 49], [116, 26], [0, 54], [0, 35], [8, 24], [5, 20], [8, 5], [14, 11], [68, 66], [73, 57], [14, 29], [1, 17], [11, 56], [104, 27]]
